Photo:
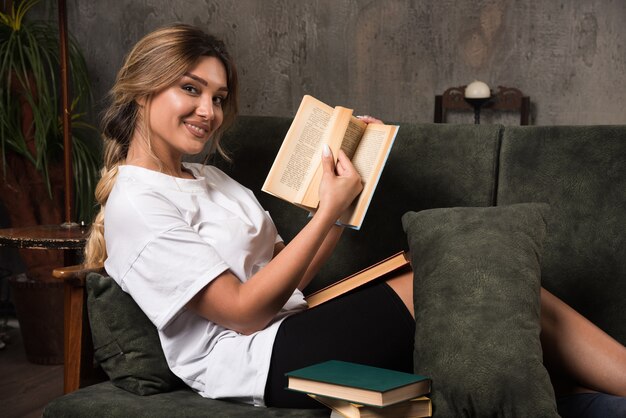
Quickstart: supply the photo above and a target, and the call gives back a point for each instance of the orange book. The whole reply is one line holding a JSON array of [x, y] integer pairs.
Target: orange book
[[381, 269]]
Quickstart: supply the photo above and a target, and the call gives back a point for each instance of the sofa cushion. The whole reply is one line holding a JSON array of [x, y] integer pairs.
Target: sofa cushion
[[476, 294], [107, 400], [581, 172], [126, 343]]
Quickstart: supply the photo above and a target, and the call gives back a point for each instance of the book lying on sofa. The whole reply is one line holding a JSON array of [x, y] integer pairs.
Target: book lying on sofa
[[358, 383], [374, 272], [413, 408], [296, 173]]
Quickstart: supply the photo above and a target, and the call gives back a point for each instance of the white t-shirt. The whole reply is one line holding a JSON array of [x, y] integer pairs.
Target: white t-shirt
[[167, 238]]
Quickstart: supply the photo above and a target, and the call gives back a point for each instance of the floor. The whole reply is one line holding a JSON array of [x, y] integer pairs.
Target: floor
[[25, 388]]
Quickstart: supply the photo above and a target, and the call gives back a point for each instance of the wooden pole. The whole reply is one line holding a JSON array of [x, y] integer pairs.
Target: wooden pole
[[5, 6], [67, 116]]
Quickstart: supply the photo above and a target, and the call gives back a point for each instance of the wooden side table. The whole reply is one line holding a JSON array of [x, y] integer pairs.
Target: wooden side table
[[47, 237], [71, 241]]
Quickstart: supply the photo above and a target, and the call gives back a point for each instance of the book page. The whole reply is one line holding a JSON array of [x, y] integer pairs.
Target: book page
[[352, 137], [298, 156], [333, 136], [365, 157], [369, 160]]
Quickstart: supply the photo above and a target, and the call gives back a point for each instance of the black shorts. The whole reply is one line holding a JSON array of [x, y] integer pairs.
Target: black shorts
[[370, 326]]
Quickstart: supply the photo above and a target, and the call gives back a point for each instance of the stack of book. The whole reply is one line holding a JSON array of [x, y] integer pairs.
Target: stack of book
[[359, 391]]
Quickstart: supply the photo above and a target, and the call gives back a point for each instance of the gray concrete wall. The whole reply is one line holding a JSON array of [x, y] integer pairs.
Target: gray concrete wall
[[389, 58]]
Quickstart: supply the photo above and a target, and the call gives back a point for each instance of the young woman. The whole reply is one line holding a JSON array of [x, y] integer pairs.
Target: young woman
[[206, 264]]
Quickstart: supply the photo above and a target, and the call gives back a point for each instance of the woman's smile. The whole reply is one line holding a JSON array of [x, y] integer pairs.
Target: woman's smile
[[198, 129]]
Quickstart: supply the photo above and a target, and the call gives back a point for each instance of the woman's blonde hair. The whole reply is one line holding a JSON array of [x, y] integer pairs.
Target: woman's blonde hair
[[156, 62]]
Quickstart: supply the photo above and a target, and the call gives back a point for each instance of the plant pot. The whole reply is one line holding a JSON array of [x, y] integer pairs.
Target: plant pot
[[39, 309]]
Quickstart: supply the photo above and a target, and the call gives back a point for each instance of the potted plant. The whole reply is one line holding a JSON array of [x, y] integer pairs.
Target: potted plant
[[31, 139], [30, 122]]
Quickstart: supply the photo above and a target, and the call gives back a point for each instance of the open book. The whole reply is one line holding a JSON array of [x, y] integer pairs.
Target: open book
[[381, 269], [296, 173]]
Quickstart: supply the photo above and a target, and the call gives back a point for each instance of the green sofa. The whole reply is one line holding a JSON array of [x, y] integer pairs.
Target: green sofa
[[579, 171]]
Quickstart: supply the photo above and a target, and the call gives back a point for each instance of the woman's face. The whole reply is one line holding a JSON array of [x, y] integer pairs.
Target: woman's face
[[185, 115]]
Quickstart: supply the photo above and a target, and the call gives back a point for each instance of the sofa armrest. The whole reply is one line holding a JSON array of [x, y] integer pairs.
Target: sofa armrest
[[76, 274], [78, 365]]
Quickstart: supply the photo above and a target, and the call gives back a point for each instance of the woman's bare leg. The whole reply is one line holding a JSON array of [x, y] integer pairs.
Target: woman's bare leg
[[402, 284], [579, 355]]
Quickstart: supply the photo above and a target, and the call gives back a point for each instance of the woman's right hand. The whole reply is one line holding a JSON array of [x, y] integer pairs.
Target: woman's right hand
[[340, 184]]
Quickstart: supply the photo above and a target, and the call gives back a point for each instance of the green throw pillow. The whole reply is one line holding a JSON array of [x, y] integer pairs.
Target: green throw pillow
[[476, 294], [126, 343]]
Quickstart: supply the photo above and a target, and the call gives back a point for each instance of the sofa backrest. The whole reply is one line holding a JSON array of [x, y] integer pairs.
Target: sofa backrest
[[581, 172], [430, 165]]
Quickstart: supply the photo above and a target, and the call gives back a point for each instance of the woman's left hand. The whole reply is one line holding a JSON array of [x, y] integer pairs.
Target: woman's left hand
[[369, 119]]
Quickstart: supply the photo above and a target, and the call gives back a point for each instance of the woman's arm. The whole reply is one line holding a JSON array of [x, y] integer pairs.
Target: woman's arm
[[250, 306], [331, 240], [326, 249]]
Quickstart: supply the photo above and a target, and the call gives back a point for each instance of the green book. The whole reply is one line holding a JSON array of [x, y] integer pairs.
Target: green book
[[358, 383]]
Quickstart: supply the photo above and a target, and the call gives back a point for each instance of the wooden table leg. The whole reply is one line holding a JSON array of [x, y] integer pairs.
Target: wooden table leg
[[79, 369], [74, 296]]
